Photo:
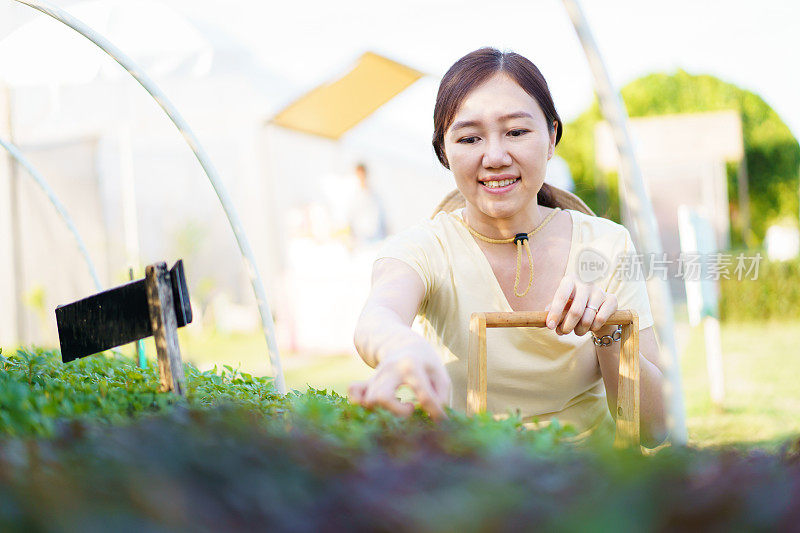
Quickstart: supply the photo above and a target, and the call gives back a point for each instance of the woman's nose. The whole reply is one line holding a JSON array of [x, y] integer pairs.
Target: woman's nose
[[496, 154]]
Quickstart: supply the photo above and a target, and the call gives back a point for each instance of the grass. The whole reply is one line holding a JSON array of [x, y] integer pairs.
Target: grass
[[761, 371], [760, 364], [93, 443], [249, 353]]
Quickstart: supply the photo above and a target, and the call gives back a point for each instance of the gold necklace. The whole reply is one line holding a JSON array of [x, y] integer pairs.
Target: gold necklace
[[521, 240]]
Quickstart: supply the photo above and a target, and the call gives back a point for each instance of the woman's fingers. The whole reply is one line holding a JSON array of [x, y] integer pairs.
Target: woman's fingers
[[568, 310], [356, 391], [608, 308], [563, 294], [576, 309], [593, 306], [431, 386], [382, 392], [401, 409], [572, 312], [427, 397], [441, 384], [381, 388]]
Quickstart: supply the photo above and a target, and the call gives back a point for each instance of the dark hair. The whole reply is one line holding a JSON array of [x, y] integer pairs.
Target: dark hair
[[471, 71]]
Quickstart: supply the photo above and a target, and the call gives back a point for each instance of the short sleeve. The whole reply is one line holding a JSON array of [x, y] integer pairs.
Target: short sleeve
[[628, 281], [419, 248]]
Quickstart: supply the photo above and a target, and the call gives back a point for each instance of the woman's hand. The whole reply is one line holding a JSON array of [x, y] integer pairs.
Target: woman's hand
[[572, 308], [417, 366]]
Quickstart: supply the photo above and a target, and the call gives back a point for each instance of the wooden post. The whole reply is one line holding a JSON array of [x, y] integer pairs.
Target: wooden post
[[744, 201], [165, 327], [714, 360], [476, 365], [627, 415], [627, 434]]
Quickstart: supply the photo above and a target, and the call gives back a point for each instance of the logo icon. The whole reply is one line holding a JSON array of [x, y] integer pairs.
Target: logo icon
[[592, 265]]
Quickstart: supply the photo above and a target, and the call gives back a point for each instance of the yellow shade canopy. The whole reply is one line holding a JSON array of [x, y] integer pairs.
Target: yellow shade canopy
[[333, 108]]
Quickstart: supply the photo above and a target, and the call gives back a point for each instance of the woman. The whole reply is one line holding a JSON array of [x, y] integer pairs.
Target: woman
[[495, 128]]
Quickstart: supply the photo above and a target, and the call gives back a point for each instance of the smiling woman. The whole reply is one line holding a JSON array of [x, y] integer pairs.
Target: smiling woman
[[496, 128]]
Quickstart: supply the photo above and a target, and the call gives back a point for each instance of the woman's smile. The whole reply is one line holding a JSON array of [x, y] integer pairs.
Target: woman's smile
[[499, 184]]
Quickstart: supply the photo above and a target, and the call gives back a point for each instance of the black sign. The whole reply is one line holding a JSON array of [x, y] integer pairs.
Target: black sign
[[115, 317]]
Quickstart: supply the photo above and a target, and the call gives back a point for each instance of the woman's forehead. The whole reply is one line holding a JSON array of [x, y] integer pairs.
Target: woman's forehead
[[499, 97]]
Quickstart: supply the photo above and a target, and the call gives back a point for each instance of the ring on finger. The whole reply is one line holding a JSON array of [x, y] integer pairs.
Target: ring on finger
[[595, 309]]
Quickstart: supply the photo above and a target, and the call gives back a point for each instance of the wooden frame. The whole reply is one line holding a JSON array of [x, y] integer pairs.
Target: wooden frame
[[627, 413]]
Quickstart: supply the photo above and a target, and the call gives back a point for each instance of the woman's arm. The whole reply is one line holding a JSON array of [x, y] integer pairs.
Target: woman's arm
[[386, 342]]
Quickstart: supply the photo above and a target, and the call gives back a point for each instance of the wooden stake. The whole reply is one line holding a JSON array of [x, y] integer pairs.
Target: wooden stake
[[476, 365], [165, 328], [714, 360], [628, 387]]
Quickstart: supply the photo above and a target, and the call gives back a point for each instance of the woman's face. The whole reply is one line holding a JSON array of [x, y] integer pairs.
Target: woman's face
[[498, 147]]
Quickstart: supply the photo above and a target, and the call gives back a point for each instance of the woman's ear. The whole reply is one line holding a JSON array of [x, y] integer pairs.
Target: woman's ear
[[442, 155], [443, 159], [552, 148]]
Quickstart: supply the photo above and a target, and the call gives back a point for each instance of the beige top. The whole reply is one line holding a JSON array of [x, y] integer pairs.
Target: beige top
[[530, 370]]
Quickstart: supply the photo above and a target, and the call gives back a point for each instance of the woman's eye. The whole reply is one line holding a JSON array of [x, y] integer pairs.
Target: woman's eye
[[468, 140], [517, 133]]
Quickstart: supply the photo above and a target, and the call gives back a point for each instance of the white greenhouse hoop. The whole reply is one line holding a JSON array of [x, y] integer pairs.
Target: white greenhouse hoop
[[267, 324], [59, 207]]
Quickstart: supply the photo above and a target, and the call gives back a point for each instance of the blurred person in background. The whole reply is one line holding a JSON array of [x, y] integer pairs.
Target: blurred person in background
[[496, 128], [366, 217]]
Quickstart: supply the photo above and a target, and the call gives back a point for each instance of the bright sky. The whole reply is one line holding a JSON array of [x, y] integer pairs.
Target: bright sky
[[752, 44]]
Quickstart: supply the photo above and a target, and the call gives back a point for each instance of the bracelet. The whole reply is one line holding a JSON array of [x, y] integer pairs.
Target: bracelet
[[606, 340]]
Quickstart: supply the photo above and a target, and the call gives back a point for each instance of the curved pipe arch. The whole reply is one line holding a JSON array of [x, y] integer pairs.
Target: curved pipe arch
[[644, 227], [267, 324], [59, 207]]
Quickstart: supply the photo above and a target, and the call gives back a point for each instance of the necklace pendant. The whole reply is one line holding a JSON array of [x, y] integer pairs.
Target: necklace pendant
[[520, 238]]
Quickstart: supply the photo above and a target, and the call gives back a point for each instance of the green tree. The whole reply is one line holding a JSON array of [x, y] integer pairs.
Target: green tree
[[772, 153]]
